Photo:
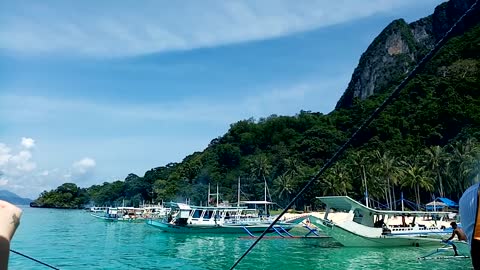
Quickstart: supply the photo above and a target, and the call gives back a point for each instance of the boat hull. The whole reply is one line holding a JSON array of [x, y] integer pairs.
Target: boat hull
[[103, 217], [114, 219], [224, 229], [351, 239]]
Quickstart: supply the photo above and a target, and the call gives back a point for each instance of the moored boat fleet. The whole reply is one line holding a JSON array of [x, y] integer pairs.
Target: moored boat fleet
[[345, 220]]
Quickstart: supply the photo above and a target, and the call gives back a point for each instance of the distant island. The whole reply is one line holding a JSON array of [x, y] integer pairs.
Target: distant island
[[13, 198]]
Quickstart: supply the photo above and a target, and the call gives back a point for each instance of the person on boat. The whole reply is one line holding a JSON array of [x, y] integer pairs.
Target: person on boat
[[470, 219], [379, 223], [9, 221], [457, 231]]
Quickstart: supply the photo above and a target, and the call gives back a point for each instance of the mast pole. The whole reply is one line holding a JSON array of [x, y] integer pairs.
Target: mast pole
[[401, 194], [208, 198], [265, 191], [366, 188], [238, 196], [217, 194]]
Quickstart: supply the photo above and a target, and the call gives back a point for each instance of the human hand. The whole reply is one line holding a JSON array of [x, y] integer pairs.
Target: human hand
[[9, 219]]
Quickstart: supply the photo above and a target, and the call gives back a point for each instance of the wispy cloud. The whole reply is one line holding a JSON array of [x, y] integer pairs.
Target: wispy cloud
[[125, 28], [316, 95], [84, 166]]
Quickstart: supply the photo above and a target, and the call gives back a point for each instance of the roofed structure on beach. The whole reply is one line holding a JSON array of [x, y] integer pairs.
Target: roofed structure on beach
[[442, 204]]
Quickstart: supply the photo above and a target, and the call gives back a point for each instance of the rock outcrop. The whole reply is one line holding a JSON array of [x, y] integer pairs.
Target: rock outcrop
[[396, 50]]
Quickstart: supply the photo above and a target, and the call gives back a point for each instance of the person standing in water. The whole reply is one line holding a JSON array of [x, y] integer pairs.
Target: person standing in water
[[460, 235], [9, 221]]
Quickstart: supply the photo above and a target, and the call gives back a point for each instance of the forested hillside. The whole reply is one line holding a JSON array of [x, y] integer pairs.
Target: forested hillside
[[424, 144]]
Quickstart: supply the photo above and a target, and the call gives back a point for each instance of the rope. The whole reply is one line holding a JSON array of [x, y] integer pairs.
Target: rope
[[365, 124], [33, 259]]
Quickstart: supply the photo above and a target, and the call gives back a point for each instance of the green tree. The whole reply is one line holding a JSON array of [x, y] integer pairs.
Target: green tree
[[416, 177], [435, 160]]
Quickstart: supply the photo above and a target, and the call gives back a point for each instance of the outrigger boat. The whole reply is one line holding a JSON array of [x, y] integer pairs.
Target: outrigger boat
[[217, 219], [132, 214], [362, 226], [447, 252], [129, 214]]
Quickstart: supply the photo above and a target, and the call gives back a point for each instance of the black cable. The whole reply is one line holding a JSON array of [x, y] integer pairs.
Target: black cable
[[33, 259], [365, 124]]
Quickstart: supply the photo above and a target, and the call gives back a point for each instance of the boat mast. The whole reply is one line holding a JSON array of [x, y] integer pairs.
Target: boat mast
[[238, 196], [208, 198], [366, 188], [401, 194], [217, 194], [265, 195]]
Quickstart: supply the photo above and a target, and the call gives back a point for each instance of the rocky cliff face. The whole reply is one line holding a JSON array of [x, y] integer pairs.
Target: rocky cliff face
[[395, 51]]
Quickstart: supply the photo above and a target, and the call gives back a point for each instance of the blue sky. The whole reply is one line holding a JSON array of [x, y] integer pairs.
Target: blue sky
[[90, 92]]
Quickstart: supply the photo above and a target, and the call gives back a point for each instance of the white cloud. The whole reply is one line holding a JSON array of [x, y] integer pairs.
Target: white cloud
[[28, 142], [19, 173], [3, 181], [122, 28], [4, 154], [17, 168], [22, 161], [84, 166], [15, 164]]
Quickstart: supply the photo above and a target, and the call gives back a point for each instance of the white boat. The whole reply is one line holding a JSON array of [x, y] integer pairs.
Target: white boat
[[216, 219], [362, 226], [132, 214], [97, 209]]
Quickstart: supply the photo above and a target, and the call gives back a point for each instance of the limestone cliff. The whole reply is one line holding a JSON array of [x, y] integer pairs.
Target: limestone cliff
[[395, 51]]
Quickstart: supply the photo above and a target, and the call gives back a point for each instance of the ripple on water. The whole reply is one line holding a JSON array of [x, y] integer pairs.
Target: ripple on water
[[71, 239]]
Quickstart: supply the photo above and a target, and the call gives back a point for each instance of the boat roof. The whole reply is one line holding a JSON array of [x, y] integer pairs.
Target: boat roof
[[346, 203], [183, 206], [256, 202], [128, 208]]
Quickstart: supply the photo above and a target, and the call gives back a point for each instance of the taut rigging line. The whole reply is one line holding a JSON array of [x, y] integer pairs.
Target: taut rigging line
[[365, 124]]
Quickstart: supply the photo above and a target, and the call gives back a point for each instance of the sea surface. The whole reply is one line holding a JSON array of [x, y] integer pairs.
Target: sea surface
[[73, 239]]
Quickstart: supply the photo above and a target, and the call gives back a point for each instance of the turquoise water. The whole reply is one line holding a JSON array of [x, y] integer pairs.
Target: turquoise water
[[71, 239]]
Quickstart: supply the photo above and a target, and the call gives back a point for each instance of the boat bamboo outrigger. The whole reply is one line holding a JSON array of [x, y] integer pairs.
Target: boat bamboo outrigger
[[362, 226]]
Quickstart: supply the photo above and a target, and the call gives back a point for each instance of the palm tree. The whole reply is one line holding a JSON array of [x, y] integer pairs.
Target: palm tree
[[436, 160], [336, 181], [362, 166], [292, 167], [416, 177], [462, 164], [284, 187], [388, 173], [260, 169]]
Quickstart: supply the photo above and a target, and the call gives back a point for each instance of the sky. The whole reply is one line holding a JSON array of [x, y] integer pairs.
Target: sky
[[91, 91]]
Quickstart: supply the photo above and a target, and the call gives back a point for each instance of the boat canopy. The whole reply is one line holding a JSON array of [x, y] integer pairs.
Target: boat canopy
[[256, 202], [345, 203], [183, 206]]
